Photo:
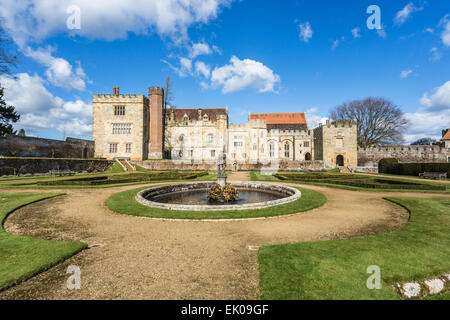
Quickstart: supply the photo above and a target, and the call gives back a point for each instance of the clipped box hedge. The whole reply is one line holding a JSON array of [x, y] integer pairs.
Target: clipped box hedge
[[411, 169]]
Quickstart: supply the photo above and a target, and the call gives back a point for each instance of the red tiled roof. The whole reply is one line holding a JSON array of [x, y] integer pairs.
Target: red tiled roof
[[280, 118], [447, 136], [192, 113]]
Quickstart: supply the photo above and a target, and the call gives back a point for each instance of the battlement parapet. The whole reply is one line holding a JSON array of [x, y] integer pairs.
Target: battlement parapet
[[340, 124], [155, 91], [109, 98]]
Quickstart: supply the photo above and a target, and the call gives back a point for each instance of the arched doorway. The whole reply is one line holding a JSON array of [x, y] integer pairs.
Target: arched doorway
[[308, 156], [340, 160]]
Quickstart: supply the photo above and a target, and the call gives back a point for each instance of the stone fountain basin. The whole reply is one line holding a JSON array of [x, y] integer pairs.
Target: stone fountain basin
[[289, 195]]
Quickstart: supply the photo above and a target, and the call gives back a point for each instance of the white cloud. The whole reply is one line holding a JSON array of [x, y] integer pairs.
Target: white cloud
[[429, 30], [59, 71], [306, 32], [40, 110], [445, 36], [241, 74], [405, 73], [314, 119], [406, 13], [432, 117], [435, 54], [439, 100], [199, 49], [202, 68], [35, 20], [356, 33]]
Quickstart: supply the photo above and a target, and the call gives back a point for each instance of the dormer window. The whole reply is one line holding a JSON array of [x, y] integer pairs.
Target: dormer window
[[185, 121], [205, 120]]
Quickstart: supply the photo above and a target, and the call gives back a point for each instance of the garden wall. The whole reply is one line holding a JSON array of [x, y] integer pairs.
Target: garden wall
[[14, 166], [19, 146]]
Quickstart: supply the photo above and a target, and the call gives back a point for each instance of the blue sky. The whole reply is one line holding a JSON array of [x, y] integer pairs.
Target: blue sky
[[249, 56]]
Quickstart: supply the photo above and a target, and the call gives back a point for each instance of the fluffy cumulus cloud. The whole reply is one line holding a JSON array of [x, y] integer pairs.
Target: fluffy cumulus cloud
[[406, 13], [35, 20], [202, 69], [59, 71], [40, 110], [314, 119], [432, 116], [445, 36], [241, 74], [199, 49], [306, 32]]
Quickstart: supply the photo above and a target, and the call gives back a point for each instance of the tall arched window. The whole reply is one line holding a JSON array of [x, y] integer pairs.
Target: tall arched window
[[286, 150], [272, 150]]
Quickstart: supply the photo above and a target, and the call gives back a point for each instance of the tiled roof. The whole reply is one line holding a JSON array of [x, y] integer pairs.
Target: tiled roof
[[192, 113], [280, 118], [288, 126], [446, 136]]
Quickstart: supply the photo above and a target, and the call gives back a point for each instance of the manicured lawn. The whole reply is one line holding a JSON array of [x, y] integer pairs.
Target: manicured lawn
[[125, 203], [337, 269], [115, 168], [23, 257]]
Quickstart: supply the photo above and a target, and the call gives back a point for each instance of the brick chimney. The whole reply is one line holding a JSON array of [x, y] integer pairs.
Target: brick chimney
[[156, 97], [115, 91]]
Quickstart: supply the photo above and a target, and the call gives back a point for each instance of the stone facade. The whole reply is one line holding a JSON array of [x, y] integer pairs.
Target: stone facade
[[121, 126], [133, 127], [336, 143]]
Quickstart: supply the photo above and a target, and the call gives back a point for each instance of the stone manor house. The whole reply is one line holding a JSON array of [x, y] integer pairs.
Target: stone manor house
[[137, 128]]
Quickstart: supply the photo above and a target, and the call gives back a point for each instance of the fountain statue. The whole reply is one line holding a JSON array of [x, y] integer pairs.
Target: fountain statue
[[221, 170], [221, 191]]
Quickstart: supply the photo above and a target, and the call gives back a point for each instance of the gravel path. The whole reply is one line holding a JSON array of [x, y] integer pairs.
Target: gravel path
[[141, 258]]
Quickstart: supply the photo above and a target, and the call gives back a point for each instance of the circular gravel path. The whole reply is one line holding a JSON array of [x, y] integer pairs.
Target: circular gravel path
[[141, 258]]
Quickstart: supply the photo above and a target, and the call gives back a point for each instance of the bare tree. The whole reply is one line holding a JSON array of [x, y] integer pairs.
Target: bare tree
[[8, 57], [379, 122], [168, 93]]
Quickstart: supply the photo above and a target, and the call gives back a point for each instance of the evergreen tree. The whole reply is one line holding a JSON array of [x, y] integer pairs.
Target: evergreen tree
[[8, 115]]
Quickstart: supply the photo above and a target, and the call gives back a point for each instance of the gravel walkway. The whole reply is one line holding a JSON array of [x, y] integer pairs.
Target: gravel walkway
[[141, 258]]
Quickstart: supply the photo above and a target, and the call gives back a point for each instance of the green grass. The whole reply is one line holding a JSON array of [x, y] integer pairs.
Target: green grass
[[23, 257], [115, 168], [256, 176], [337, 269], [125, 203]]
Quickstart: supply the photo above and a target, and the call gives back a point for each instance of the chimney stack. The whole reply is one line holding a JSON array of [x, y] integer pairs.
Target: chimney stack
[[116, 91], [156, 96]]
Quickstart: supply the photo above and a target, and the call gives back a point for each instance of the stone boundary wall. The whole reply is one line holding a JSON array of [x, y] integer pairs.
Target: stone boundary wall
[[19, 146], [36, 166], [292, 194], [212, 166], [370, 157]]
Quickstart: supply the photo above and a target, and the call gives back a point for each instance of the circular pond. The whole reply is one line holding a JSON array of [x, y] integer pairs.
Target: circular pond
[[193, 196]]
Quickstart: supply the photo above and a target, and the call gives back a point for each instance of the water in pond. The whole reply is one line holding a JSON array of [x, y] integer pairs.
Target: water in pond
[[199, 197]]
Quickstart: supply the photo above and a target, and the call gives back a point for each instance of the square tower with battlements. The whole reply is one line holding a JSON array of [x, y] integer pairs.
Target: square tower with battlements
[[121, 126]]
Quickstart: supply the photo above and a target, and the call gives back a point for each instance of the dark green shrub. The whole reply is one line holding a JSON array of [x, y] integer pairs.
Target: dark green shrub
[[387, 165]]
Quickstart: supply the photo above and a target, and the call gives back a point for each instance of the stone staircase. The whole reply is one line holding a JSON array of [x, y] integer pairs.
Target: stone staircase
[[126, 165], [344, 169]]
